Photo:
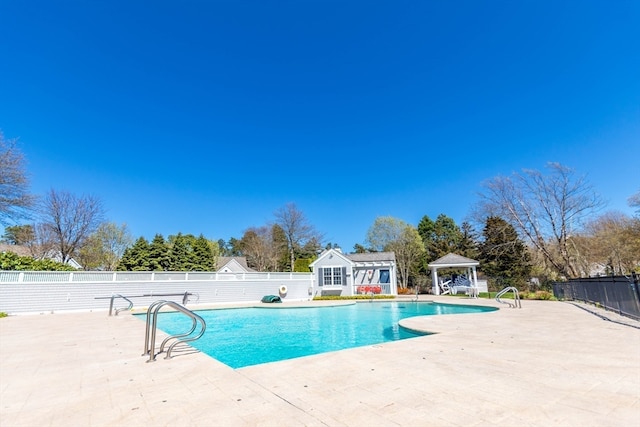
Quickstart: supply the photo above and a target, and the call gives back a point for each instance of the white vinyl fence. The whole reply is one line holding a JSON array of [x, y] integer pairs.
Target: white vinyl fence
[[55, 291]]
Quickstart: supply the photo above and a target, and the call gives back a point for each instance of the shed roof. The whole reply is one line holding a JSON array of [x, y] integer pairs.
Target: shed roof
[[372, 257]]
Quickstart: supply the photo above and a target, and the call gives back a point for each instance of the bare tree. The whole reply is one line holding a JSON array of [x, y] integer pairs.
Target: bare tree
[[262, 249], [37, 238], [613, 240], [104, 248], [255, 246], [43, 242], [70, 220], [409, 251], [634, 202], [545, 209], [15, 200], [394, 235], [296, 228], [385, 230]]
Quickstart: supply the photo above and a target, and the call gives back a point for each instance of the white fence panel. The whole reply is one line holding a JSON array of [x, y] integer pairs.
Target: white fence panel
[[29, 292]]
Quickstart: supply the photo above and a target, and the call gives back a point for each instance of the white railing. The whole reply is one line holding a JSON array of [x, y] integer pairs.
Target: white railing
[[137, 276]]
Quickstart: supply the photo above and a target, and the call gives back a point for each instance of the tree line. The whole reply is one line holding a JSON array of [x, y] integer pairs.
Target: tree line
[[543, 224], [501, 253], [534, 225]]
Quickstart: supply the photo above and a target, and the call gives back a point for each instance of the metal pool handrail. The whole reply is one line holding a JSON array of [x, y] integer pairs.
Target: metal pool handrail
[[516, 297], [118, 310], [151, 328], [185, 298]]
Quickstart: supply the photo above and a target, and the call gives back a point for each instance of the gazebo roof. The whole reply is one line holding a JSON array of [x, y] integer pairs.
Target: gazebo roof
[[453, 260]]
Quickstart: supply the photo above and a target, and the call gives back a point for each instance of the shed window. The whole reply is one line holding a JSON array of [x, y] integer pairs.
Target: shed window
[[384, 276], [332, 276]]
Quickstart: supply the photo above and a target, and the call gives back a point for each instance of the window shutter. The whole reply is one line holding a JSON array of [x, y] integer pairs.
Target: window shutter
[[320, 276], [344, 276]]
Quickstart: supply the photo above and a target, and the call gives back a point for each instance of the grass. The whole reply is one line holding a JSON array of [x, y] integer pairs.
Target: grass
[[538, 295]]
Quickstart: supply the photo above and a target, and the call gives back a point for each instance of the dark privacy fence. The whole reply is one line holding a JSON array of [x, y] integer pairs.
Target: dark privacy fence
[[616, 293]]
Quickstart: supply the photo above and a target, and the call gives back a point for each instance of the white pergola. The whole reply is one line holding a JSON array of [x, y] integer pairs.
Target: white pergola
[[454, 261]]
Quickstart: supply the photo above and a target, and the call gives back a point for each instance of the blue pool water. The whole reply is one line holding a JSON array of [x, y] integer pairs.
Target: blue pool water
[[249, 336]]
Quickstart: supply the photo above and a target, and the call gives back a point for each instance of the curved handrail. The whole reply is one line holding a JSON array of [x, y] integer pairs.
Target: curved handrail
[[516, 297], [152, 321], [184, 337], [118, 310]]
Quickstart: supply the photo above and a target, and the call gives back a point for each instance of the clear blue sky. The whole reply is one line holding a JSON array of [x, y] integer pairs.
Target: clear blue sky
[[207, 116]]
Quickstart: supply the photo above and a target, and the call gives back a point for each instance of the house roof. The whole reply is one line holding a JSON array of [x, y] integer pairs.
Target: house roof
[[376, 258], [51, 254], [372, 257], [222, 260], [16, 249], [453, 260], [239, 260], [330, 253]]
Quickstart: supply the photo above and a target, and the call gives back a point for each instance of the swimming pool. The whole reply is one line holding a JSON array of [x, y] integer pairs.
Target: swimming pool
[[242, 337]]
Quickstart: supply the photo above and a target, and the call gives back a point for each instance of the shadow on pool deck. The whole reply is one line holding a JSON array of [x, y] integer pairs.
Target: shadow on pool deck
[[548, 364]]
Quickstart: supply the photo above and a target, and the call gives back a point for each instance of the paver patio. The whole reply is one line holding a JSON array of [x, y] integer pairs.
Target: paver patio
[[547, 364]]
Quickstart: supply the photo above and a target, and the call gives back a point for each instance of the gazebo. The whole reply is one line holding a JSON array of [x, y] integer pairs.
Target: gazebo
[[454, 261]]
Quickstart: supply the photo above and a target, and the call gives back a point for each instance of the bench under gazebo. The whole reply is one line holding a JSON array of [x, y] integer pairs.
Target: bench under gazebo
[[455, 261]]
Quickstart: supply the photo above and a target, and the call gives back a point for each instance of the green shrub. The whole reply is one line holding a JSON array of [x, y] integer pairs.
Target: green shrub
[[3, 314], [539, 295], [10, 261]]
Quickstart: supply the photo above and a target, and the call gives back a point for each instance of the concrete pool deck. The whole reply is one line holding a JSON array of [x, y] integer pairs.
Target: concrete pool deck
[[547, 364]]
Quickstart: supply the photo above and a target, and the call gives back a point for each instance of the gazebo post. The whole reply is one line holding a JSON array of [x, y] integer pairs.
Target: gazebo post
[[434, 279]]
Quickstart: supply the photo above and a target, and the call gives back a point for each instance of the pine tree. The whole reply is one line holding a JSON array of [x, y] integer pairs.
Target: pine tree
[[504, 256], [135, 258], [158, 254], [468, 246], [203, 255], [179, 254], [439, 237]]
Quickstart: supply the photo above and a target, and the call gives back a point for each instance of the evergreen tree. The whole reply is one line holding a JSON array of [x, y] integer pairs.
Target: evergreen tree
[[203, 255], [359, 249], [233, 247], [503, 255], [179, 259], [19, 235], [439, 237], [136, 258], [469, 242], [158, 254], [222, 246]]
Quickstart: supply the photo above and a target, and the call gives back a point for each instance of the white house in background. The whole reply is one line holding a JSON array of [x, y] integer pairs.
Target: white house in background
[[235, 264], [335, 273]]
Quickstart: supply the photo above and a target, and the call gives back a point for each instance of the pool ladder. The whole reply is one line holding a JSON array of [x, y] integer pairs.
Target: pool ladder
[[516, 297], [152, 327]]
